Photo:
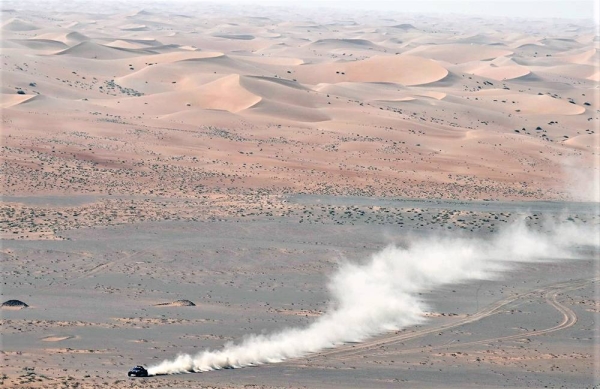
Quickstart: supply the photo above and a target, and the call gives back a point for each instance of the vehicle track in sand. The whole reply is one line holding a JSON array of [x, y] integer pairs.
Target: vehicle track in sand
[[103, 266], [550, 294]]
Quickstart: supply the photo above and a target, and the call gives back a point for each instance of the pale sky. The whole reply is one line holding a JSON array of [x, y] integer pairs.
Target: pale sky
[[570, 9], [526, 9]]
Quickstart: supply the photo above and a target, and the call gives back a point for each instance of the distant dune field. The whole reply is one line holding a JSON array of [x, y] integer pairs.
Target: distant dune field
[[309, 103]]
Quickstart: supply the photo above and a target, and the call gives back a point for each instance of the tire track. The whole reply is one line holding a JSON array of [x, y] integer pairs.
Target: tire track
[[551, 297], [550, 294], [105, 265]]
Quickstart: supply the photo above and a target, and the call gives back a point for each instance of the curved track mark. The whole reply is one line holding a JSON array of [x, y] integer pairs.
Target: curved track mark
[[550, 294]]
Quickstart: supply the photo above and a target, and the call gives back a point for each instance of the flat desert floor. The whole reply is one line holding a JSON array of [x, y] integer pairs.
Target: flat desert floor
[[233, 156]]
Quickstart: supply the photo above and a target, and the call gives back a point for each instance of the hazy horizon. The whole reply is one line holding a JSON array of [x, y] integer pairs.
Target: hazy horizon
[[577, 9], [529, 9]]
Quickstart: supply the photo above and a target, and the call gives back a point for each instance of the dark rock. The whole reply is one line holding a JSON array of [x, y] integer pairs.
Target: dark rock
[[14, 304], [178, 303]]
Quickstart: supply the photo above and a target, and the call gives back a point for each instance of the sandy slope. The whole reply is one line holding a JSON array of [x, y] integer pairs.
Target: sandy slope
[[459, 53], [15, 25]]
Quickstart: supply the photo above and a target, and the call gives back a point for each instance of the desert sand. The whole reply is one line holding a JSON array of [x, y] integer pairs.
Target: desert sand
[[176, 177]]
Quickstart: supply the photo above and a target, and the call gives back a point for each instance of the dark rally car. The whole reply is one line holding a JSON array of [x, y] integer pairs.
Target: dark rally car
[[138, 371]]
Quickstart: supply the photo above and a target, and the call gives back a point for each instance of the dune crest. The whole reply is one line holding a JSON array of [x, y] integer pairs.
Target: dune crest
[[15, 24], [91, 50], [69, 38], [10, 100], [227, 94], [459, 53], [401, 69]]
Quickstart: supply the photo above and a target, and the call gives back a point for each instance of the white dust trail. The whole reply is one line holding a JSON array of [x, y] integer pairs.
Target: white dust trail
[[381, 294]]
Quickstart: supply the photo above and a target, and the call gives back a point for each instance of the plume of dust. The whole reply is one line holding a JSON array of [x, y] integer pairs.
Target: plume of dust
[[582, 180], [381, 294]]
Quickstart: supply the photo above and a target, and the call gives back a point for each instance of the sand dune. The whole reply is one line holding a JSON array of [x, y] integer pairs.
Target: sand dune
[[41, 44], [277, 109], [45, 105], [141, 13], [15, 24], [345, 43], [559, 44], [41, 103], [535, 104], [92, 50], [587, 57], [402, 69], [595, 76], [132, 44], [211, 43], [10, 100], [163, 49], [480, 39], [405, 26], [169, 72], [69, 38], [180, 56], [208, 117], [243, 37], [225, 93], [233, 93], [275, 61], [535, 51], [360, 91], [501, 73], [222, 64], [143, 41], [283, 91], [458, 53], [377, 92], [571, 70], [7, 44], [135, 27], [502, 68], [396, 101], [176, 66], [587, 142], [517, 40]]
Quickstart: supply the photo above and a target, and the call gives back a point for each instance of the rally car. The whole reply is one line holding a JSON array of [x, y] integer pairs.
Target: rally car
[[138, 371]]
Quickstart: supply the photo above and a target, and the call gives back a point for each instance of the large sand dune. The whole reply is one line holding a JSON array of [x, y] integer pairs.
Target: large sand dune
[[69, 38], [459, 53], [10, 100], [15, 24], [501, 68], [336, 44], [90, 50], [401, 69], [48, 45]]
